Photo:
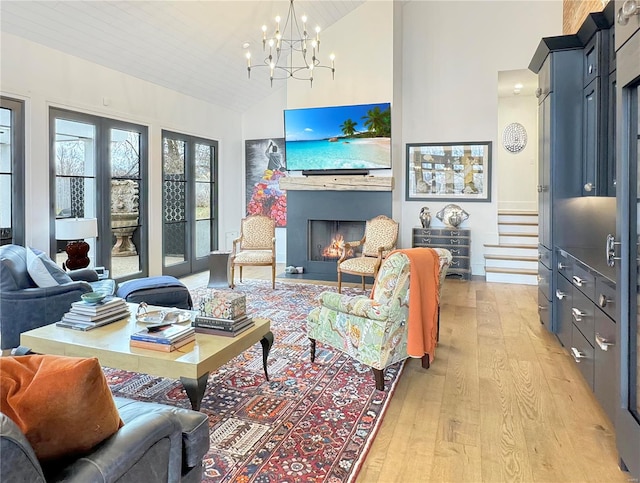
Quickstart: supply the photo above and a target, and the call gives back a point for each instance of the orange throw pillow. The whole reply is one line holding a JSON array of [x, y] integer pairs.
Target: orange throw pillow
[[63, 405]]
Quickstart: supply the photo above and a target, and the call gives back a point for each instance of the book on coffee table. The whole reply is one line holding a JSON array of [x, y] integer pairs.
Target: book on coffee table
[[155, 346], [107, 304], [221, 324], [225, 332], [167, 335]]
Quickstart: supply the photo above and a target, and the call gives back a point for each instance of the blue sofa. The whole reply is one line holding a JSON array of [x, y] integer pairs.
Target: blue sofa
[[25, 306]]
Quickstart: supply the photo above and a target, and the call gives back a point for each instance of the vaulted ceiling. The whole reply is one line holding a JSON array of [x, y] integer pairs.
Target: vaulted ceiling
[[193, 47]]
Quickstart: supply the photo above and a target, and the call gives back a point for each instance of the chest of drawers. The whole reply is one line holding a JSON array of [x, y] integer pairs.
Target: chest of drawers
[[458, 242]]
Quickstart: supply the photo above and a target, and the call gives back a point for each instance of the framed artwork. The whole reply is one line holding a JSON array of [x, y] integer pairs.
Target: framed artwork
[[449, 171], [265, 164]]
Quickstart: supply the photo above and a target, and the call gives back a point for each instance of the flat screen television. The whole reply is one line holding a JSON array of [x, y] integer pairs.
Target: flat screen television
[[339, 138]]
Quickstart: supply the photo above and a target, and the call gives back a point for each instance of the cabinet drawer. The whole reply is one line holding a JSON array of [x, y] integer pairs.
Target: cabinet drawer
[[431, 240], [544, 280], [582, 352], [458, 251], [584, 280], [441, 232], [605, 353], [562, 304], [582, 314], [564, 264], [544, 309], [544, 255], [460, 262], [606, 296]]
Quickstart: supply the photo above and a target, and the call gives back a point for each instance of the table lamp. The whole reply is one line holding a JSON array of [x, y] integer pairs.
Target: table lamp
[[75, 230]]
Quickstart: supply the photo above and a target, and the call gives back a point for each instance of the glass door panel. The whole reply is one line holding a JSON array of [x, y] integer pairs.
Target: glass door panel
[[175, 201], [124, 154], [6, 169], [75, 184], [204, 157]]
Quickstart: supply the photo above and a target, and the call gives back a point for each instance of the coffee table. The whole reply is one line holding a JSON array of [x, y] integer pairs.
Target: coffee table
[[191, 363]]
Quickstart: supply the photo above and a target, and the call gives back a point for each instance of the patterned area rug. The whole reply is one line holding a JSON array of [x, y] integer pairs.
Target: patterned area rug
[[311, 422]]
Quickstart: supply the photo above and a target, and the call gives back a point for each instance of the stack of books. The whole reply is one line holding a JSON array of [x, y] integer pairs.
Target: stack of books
[[221, 326], [164, 338], [86, 316]]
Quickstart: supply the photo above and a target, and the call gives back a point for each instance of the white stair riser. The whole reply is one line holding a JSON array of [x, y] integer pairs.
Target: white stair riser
[[516, 278], [513, 264], [517, 240], [520, 252], [518, 229], [517, 219]]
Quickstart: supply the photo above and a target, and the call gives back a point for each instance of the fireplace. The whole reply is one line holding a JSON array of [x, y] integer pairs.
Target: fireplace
[[317, 217], [327, 237]]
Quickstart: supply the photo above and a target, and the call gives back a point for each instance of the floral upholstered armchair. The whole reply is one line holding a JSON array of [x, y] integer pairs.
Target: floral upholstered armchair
[[380, 237], [371, 330], [255, 246]]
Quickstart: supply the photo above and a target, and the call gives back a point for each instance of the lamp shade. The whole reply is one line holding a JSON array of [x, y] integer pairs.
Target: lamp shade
[[76, 228]]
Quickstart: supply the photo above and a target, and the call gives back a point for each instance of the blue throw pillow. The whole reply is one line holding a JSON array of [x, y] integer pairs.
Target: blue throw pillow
[[43, 271]]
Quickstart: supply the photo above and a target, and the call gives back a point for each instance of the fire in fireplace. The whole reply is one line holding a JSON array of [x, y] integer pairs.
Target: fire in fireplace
[[327, 238]]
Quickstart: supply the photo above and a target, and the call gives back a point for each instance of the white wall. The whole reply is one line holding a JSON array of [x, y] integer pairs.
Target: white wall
[[452, 53], [516, 174], [45, 77]]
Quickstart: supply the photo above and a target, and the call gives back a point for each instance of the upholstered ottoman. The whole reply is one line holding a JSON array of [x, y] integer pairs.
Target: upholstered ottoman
[[164, 291]]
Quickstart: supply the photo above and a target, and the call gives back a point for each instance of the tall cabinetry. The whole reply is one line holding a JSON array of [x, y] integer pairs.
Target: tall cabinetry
[[558, 63], [625, 255]]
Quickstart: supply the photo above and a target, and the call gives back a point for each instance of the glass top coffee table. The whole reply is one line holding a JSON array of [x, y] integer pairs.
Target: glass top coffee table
[[191, 363]]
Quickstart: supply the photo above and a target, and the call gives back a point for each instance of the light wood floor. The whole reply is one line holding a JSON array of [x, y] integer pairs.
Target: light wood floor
[[501, 402]]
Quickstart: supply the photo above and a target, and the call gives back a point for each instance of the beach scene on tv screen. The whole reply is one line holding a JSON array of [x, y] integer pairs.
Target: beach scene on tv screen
[[340, 137]]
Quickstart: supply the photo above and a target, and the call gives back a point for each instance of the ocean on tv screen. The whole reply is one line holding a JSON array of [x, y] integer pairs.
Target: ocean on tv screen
[[366, 153]]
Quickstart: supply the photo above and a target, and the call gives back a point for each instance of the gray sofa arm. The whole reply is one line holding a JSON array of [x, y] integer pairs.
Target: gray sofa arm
[[146, 448], [86, 274], [43, 292], [18, 462]]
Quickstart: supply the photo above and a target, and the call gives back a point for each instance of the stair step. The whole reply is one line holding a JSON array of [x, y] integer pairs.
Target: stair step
[[510, 245], [519, 234], [517, 212], [511, 257], [519, 271], [522, 223]]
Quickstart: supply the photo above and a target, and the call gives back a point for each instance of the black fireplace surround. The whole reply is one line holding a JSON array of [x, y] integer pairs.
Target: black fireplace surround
[[305, 206]]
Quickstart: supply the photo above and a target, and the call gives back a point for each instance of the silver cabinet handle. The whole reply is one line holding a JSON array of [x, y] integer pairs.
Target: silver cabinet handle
[[577, 314], [560, 295], [577, 355], [453, 241], [542, 307], [603, 343], [603, 301], [578, 281], [540, 279], [454, 251], [588, 187], [561, 266], [610, 247]]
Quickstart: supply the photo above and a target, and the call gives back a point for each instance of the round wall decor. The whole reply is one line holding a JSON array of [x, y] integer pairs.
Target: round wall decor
[[514, 137]]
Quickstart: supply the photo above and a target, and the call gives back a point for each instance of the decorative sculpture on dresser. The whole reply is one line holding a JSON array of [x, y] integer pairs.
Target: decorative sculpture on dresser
[[425, 217], [124, 216], [452, 215]]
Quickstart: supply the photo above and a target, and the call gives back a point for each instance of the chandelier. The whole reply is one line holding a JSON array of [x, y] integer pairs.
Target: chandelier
[[292, 52]]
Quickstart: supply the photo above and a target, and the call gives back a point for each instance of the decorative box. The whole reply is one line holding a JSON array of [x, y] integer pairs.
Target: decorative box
[[224, 305]]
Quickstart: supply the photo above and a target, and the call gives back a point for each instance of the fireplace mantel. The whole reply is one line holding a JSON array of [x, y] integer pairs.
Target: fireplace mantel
[[337, 183]]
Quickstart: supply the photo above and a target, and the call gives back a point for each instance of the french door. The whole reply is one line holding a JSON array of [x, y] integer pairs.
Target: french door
[[11, 172], [100, 168], [628, 236], [190, 225]]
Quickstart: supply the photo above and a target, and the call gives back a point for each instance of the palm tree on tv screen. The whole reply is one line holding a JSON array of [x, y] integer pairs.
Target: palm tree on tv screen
[[378, 122], [348, 127]]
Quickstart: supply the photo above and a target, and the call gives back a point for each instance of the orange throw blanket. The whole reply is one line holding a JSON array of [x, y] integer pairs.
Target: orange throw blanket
[[424, 279]]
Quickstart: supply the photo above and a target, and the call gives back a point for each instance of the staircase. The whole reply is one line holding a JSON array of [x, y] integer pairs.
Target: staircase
[[515, 258]]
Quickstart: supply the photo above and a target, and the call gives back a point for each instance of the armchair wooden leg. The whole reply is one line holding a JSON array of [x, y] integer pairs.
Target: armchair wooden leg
[[273, 276], [313, 349], [240, 268], [378, 374], [363, 289], [339, 282], [233, 285], [425, 361]]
